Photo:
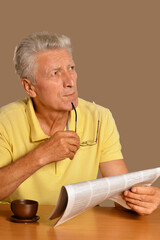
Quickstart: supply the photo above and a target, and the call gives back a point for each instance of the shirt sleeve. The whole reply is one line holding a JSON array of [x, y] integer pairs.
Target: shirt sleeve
[[5, 148], [111, 147]]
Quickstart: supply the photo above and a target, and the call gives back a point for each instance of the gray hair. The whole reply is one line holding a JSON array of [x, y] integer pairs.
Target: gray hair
[[25, 52]]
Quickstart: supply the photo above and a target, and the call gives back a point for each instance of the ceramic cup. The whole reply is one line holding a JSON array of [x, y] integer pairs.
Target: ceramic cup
[[24, 208]]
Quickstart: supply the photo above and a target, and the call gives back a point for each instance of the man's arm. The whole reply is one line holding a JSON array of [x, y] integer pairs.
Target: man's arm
[[61, 145], [143, 200], [111, 168]]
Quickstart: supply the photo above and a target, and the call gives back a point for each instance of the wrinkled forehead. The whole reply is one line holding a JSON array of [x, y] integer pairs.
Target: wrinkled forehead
[[54, 57]]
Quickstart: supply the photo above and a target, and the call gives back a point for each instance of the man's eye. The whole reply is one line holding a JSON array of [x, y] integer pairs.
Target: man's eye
[[54, 73], [72, 67]]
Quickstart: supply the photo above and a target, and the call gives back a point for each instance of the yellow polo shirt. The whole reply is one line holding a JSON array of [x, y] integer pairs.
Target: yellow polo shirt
[[20, 132]]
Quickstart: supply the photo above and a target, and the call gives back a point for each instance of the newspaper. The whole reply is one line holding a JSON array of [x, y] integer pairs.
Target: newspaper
[[79, 197]]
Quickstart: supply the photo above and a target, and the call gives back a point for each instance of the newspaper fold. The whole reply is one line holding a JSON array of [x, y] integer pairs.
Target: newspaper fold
[[79, 197]]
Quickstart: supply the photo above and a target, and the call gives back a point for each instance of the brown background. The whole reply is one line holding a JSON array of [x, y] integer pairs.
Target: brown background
[[116, 47]]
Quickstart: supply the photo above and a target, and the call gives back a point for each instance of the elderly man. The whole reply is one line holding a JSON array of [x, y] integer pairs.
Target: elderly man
[[53, 138]]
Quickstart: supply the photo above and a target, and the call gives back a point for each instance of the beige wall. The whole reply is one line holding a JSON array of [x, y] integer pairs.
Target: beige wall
[[116, 46]]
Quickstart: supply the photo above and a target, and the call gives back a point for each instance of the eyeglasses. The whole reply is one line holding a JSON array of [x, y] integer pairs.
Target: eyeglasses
[[89, 142]]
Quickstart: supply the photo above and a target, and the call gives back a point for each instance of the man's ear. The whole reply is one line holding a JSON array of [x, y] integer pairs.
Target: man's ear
[[28, 87]]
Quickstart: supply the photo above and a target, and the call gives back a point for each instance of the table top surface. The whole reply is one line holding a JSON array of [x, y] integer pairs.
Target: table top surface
[[96, 223]]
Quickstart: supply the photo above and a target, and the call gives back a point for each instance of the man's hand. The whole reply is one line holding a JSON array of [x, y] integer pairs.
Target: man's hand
[[63, 144], [143, 200]]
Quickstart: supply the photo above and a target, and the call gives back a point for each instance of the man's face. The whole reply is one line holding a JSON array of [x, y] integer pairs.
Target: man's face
[[56, 80]]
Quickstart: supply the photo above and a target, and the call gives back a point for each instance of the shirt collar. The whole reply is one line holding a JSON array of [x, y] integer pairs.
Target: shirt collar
[[36, 133]]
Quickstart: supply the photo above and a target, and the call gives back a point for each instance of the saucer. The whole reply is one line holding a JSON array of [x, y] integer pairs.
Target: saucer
[[29, 220]]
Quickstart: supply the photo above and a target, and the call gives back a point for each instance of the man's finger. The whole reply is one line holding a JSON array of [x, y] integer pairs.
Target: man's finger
[[141, 197], [140, 210], [143, 190], [138, 202]]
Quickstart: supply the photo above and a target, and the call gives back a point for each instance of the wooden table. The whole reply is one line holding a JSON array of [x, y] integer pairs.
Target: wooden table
[[96, 223]]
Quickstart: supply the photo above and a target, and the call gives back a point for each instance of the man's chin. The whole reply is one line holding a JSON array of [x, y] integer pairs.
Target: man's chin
[[67, 105], [70, 106], [75, 102]]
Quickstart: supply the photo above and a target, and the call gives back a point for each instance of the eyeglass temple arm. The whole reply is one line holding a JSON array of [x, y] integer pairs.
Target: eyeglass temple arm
[[75, 116], [98, 120]]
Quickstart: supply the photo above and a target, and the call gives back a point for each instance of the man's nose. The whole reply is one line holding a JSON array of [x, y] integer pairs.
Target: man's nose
[[68, 80]]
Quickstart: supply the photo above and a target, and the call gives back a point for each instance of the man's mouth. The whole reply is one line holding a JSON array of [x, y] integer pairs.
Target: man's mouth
[[69, 94]]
